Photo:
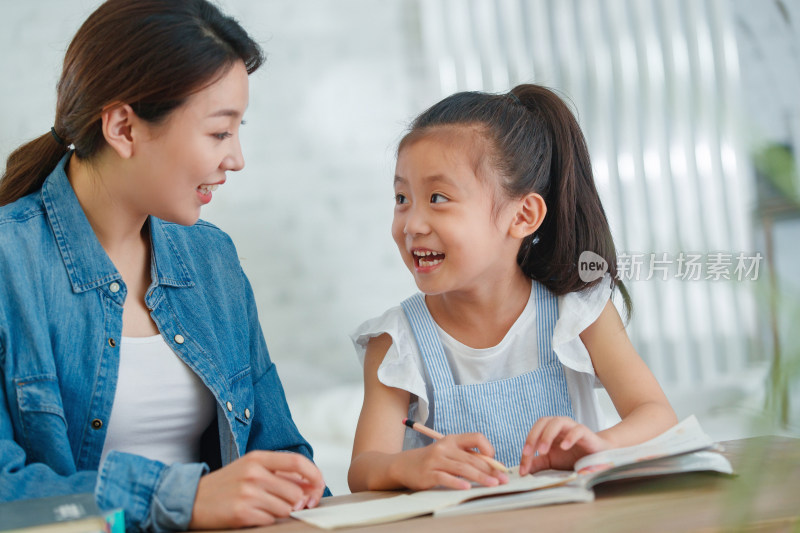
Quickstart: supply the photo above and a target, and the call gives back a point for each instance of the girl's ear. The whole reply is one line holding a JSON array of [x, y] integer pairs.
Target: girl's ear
[[118, 121], [531, 210]]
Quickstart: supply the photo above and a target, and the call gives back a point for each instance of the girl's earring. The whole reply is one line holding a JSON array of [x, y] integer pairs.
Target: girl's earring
[[529, 248]]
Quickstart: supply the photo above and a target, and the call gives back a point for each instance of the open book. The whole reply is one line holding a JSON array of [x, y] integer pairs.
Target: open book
[[683, 448]]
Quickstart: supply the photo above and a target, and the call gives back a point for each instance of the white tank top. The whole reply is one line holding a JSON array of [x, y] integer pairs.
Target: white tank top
[[161, 407]]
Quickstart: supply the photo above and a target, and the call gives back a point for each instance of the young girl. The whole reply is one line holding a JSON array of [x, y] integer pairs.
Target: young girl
[[132, 363], [503, 347]]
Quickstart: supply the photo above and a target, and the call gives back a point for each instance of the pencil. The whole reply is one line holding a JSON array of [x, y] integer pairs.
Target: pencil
[[435, 435]]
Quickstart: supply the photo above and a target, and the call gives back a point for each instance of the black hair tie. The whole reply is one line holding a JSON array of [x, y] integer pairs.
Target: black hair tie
[[58, 139]]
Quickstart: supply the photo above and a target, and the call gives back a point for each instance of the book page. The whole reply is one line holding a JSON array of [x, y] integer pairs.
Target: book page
[[702, 461], [420, 503], [684, 437], [520, 500]]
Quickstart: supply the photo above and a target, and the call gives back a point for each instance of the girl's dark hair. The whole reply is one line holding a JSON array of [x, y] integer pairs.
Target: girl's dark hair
[[150, 54], [536, 145]]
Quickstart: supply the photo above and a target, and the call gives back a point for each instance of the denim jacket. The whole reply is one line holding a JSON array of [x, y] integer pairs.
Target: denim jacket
[[60, 325]]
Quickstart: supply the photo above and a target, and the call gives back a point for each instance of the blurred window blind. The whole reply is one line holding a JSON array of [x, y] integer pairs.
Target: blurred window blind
[[655, 87]]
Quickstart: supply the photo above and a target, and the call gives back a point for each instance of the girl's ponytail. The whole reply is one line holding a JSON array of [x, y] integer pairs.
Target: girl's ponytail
[[29, 165], [576, 221]]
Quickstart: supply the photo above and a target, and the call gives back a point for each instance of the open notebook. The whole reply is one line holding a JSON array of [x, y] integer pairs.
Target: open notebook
[[418, 503], [683, 448]]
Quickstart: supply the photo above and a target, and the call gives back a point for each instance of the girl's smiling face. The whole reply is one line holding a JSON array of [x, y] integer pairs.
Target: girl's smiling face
[[446, 225], [181, 161]]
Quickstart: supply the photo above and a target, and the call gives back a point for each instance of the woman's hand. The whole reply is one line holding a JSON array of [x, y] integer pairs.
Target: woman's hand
[[448, 462], [255, 490], [560, 441]]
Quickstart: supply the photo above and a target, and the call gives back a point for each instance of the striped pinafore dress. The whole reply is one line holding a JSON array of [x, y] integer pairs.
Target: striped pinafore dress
[[505, 410]]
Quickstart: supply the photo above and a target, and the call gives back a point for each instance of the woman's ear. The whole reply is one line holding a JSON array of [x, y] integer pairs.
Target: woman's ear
[[118, 121], [531, 210]]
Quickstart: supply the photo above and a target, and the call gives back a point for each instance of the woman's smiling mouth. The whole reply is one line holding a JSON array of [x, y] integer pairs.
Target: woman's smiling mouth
[[205, 189]]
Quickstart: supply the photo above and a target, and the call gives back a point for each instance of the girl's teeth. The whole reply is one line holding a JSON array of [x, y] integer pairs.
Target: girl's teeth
[[425, 260]]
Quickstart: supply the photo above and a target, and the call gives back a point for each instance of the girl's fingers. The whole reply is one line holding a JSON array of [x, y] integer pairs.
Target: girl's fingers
[[468, 441], [588, 440], [526, 460], [540, 439], [465, 468], [554, 440], [477, 460], [484, 473], [531, 443], [555, 428], [574, 435], [443, 479], [541, 462], [538, 429], [456, 457]]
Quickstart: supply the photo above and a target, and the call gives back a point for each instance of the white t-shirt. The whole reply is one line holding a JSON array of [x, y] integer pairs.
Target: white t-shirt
[[161, 407], [516, 354]]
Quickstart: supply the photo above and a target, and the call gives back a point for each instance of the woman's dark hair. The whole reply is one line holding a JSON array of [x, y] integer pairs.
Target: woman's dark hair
[[150, 54], [536, 145]]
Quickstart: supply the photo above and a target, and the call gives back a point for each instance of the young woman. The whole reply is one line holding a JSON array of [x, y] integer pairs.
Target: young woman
[[132, 363]]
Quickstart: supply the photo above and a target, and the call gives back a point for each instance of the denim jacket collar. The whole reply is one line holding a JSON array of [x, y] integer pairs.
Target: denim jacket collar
[[87, 263]]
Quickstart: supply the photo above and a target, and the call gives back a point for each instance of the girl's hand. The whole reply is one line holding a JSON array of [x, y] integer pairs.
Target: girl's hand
[[448, 462], [560, 442], [255, 490]]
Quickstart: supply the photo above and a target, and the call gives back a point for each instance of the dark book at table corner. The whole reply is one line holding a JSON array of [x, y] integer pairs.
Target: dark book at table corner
[[68, 513]]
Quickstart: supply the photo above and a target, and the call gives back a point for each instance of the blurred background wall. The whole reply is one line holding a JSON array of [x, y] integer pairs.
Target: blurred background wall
[[691, 115]]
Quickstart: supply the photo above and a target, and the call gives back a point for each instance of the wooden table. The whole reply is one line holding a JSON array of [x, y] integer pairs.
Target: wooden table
[[764, 496]]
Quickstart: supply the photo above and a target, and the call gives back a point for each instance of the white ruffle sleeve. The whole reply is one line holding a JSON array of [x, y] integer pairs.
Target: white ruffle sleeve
[[402, 366], [576, 312]]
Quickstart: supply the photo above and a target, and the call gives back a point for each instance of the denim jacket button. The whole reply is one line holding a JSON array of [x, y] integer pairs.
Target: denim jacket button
[[97, 423], [229, 405], [112, 343], [114, 287], [247, 413], [179, 338]]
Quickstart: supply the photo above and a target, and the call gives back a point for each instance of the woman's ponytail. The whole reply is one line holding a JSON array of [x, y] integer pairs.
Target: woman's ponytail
[[29, 165]]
